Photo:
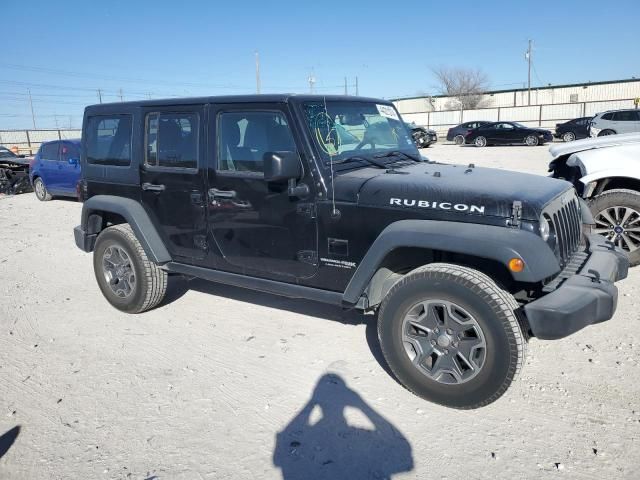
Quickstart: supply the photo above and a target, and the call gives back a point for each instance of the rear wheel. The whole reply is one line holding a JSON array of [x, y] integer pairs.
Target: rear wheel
[[531, 140], [569, 137], [606, 132], [480, 141], [127, 278], [617, 217], [458, 140], [41, 191], [450, 335]]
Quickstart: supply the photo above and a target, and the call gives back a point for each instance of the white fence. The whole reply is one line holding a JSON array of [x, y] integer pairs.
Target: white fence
[[28, 141], [545, 116]]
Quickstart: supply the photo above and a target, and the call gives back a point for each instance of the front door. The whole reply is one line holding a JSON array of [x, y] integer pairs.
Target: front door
[[172, 178], [257, 227]]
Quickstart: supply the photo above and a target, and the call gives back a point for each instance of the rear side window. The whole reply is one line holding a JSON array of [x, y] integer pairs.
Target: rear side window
[[626, 116], [49, 151], [109, 140], [172, 140]]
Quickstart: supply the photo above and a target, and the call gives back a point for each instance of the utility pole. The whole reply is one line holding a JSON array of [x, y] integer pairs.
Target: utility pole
[[356, 86], [312, 81], [345, 86], [528, 57], [121, 95], [100, 95], [33, 115], [257, 72]]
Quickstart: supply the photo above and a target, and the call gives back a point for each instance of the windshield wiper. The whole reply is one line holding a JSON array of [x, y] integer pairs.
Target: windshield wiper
[[358, 158], [395, 153]]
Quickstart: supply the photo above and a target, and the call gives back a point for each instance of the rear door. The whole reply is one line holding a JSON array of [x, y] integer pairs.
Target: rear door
[[172, 178], [626, 121]]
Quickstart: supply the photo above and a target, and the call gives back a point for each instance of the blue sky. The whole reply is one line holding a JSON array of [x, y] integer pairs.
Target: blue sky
[[65, 50]]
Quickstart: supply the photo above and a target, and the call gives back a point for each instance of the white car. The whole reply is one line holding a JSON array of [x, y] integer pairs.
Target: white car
[[606, 173], [614, 122]]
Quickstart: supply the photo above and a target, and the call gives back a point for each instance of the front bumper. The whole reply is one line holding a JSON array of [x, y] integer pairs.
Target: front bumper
[[583, 299]]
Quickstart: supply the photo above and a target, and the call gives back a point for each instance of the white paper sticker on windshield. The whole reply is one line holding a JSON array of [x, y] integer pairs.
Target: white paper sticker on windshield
[[387, 111]]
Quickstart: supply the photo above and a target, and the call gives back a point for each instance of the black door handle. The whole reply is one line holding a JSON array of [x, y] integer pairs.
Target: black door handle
[[153, 187], [215, 193]]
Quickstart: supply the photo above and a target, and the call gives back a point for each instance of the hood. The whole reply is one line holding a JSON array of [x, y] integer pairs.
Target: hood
[[624, 157], [447, 189], [592, 143]]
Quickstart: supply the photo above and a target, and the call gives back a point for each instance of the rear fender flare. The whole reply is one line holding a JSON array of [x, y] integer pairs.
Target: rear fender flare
[[136, 217]]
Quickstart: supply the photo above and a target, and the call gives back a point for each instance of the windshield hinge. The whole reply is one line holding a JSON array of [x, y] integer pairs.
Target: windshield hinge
[[516, 214]]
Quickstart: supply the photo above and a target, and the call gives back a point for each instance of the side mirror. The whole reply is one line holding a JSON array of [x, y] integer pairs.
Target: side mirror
[[280, 166], [73, 161]]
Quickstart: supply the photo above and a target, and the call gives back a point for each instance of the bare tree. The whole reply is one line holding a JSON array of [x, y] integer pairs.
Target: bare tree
[[466, 85]]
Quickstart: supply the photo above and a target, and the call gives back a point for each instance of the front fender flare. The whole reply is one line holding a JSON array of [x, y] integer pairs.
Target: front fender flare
[[485, 241], [136, 217]]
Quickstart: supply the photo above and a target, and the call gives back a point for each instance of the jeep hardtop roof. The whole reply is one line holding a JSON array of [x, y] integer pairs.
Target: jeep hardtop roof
[[260, 98]]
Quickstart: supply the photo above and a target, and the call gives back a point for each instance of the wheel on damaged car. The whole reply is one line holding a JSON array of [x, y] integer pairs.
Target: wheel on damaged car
[[617, 217], [40, 190], [531, 140], [127, 278], [451, 336]]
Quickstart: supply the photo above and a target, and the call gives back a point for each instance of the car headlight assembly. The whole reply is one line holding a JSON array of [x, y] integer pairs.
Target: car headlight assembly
[[547, 232]]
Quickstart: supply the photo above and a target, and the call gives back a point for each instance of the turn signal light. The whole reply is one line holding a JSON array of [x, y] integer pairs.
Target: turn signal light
[[516, 265]]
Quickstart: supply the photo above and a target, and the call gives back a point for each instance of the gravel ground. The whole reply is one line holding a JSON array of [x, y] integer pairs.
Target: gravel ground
[[222, 382]]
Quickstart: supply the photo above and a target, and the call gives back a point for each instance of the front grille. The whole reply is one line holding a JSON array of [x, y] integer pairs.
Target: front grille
[[567, 225]]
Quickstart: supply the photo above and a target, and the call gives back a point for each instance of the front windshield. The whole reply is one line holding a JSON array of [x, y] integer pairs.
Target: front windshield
[[344, 129]]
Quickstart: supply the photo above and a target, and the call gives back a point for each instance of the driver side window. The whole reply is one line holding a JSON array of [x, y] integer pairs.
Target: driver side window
[[245, 136]]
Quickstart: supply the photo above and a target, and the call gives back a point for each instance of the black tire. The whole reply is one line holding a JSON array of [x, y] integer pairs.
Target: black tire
[[491, 307], [150, 283], [40, 189], [480, 141], [626, 199], [458, 140], [531, 141], [606, 132], [568, 137]]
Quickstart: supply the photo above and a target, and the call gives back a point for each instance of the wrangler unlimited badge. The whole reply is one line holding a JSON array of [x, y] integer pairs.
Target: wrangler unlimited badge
[[460, 207]]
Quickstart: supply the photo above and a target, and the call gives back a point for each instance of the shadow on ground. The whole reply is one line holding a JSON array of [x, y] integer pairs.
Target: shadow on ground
[[319, 442], [7, 439], [178, 286]]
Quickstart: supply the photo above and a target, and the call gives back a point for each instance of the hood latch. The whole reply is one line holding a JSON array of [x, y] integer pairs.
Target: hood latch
[[516, 214]]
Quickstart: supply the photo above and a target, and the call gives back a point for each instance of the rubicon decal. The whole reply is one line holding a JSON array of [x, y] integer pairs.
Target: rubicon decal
[[459, 207]]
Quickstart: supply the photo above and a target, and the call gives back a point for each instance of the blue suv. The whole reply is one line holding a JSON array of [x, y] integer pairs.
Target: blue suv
[[56, 169]]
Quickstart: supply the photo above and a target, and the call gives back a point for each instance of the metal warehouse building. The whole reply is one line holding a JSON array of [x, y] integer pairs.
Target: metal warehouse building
[[549, 105]]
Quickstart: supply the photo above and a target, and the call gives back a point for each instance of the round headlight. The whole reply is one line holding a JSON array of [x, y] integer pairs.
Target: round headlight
[[545, 230]]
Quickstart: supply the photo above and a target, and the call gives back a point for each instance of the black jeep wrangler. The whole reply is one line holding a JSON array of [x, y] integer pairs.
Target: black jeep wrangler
[[326, 198]]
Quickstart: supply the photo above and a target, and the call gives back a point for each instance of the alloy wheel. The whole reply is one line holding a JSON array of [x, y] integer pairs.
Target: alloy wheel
[[444, 341], [620, 225], [118, 271], [569, 137]]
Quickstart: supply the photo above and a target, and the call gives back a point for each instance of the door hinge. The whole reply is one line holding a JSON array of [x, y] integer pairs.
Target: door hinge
[[306, 210], [516, 214], [308, 256]]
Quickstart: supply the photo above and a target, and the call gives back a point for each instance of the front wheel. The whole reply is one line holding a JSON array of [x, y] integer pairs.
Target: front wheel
[[41, 191], [458, 140], [480, 141], [531, 141], [617, 217], [450, 335], [127, 278], [606, 132], [569, 137]]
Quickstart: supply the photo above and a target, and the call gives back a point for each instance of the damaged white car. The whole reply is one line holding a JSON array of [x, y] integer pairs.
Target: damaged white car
[[606, 173]]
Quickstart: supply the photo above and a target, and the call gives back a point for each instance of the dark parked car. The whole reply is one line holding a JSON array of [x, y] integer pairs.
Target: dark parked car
[[507, 133], [14, 172], [56, 169], [573, 129], [422, 137], [457, 134], [462, 265]]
